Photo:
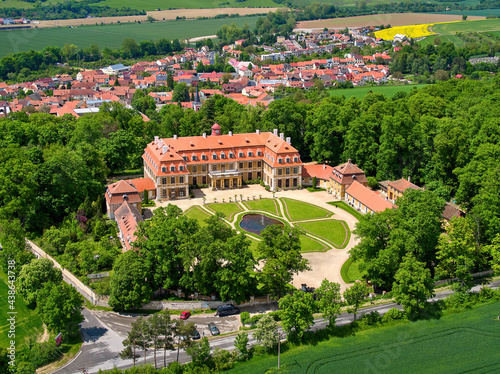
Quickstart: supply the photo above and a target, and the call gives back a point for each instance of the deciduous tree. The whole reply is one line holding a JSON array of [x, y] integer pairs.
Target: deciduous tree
[[297, 313]]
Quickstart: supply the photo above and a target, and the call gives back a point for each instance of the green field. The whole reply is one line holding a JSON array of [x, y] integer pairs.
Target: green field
[[479, 13], [198, 214], [467, 26], [360, 92], [308, 244], [228, 209], [455, 343], [266, 205], [444, 39], [112, 35], [297, 210], [171, 4], [28, 323], [331, 230]]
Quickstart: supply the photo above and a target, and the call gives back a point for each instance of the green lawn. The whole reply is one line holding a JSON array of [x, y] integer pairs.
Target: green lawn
[[472, 26], [350, 271], [112, 35], [253, 246], [198, 214], [444, 39], [298, 211], [310, 245], [360, 92], [28, 323], [266, 205], [456, 343], [347, 208], [198, 4], [331, 230], [229, 209]]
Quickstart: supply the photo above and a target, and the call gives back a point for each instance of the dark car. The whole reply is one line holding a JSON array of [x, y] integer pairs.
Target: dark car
[[213, 329], [195, 335], [226, 310], [185, 315]]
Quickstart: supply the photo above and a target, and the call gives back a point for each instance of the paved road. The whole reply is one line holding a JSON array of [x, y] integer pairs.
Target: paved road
[[102, 345]]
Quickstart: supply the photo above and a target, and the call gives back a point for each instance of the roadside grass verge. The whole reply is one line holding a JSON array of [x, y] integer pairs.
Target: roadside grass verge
[[347, 208], [296, 210], [335, 232]]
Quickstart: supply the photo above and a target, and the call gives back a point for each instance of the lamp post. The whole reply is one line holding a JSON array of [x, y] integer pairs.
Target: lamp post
[[280, 336]]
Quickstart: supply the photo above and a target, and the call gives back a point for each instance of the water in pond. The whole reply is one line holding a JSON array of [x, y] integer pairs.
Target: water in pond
[[255, 223]]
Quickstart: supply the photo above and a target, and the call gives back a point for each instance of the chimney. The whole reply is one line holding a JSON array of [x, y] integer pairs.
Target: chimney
[[275, 132], [230, 133], [409, 178], [289, 140], [257, 131], [324, 166], [125, 197], [156, 139], [175, 137], [165, 149], [349, 160], [282, 136], [204, 134]]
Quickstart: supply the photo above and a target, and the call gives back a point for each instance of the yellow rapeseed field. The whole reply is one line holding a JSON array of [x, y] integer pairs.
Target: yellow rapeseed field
[[411, 31]]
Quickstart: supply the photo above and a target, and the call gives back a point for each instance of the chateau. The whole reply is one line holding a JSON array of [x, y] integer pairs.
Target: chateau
[[221, 162]]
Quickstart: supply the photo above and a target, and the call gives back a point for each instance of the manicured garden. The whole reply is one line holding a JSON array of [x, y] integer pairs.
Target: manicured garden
[[335, 232], [455, 343], [350, 271], [198, 214], [309, 244], [349, 209], [266, 205], [296, 210], [28, 323], [228, 209]]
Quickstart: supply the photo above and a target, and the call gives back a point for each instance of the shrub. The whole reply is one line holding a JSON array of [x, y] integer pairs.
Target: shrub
[[392, 315], [244, 317], [370, 319]]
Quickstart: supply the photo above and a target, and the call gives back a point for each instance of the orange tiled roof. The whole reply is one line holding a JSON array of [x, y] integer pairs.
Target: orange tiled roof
[[402, 185], [318, 171], [367, 197], [127, 218]]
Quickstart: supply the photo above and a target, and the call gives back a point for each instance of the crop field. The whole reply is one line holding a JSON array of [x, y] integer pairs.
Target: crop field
[[484, 25], [480, 13], [360, 92], [112, 35], [28, 323], [193, 4], [456, 343], [393, 19], [411, 31]]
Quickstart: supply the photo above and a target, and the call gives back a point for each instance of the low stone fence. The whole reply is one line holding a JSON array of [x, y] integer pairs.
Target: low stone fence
[[70, 278]]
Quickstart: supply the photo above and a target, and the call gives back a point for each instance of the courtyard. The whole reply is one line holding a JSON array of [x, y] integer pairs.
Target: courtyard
[[326, 229]]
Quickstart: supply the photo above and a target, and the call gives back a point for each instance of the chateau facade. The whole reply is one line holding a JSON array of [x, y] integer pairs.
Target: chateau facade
[[221, 162]]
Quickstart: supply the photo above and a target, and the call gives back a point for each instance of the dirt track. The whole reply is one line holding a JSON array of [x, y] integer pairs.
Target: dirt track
[[159, 15], [393, 19]]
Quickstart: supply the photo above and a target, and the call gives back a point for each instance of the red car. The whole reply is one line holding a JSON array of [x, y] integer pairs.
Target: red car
[[185, 315]]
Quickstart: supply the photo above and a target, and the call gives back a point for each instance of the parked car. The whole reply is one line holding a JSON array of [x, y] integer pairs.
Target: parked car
[[213, 329], [196, 335], [185, 315], [226, 310]]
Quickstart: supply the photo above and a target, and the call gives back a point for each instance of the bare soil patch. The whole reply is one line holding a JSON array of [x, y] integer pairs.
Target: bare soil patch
[[393, 19], [159, 15]]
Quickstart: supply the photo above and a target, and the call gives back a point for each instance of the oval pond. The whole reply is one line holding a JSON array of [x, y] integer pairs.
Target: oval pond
[[256, 222]]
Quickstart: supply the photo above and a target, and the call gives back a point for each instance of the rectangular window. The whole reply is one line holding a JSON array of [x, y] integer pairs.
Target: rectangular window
[[184, 158], [250, 154], [222, 156], [250, 164], [240, 154], [287, 182], [259, 164], [172, 168], [287, 171], [172, 180], [194, 158], [203, 168], [204, 179], [181, 179], [163, 180], [259, 175], [214, 156], [182, 192], [181, 168], [288, 159], [240, 165], [250, 176], [204, 157], [230, 166], [231, 155], [295, 182], [259, 153], [279, 183], [163, 193], [280, 171], [195, 168], [295, 170], [163, 169], [295, 159], [214, 167], [280, 160]]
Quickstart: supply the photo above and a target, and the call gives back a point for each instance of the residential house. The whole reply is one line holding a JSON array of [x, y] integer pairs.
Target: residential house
[[343, 176]]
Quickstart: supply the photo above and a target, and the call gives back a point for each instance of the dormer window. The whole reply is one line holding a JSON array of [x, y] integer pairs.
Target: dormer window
[[222, 155], [250, 154], [231, 155], [163, 169], [295, 159], [172, 168], [193, 157], [259, 153], [181, 168], [214, 156], [288, 159], [184, 158], [280, 160], [240, 154], [204, 157]]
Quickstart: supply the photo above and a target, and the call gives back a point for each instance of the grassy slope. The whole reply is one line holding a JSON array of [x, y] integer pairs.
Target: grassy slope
[[112, 35], [297, 210], [166, 4], [456, 343], [331, 230], [28, 323], [474, 26], [343, 205], [360, 92]]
